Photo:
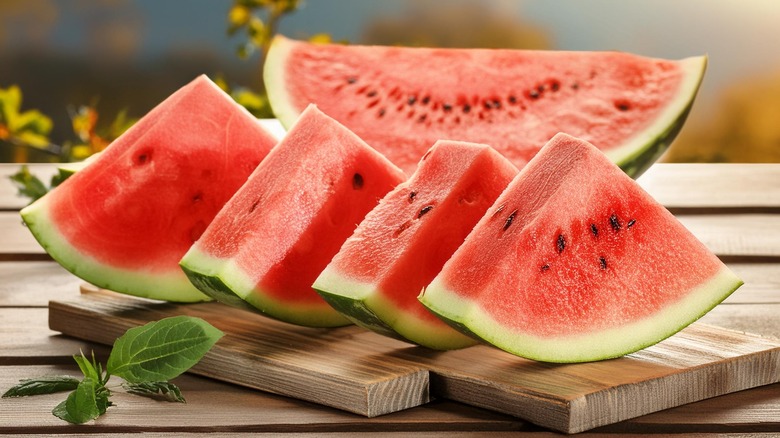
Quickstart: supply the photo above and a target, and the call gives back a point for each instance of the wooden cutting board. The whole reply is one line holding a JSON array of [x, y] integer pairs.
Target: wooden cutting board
[[358, 371]]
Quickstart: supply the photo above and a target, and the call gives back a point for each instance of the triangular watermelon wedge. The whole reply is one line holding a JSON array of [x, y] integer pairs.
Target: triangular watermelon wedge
[[124, 221], [575, 262], [401, 100], [403, 243], [264, 250]]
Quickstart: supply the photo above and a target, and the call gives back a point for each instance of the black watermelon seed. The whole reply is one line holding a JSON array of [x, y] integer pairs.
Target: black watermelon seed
[[603, 262], [254, 205], [351, 80], [631, 223], [412, 195], [622, 105], [614, 222], [594, 230], [447, 107], [381, 112], [496, 104], [425, 100], [509, 219], [533, 94], [466, 108], [412, 100], [512, 99], [424, 210], [357, 181], [371, 93], [540, 89], [401, 228], [555, 86], [143, 158], [545, 267], [560, 243], [575, 86]]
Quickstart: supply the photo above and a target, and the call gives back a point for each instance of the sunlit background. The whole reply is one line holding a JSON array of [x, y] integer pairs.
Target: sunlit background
[[130, 54]]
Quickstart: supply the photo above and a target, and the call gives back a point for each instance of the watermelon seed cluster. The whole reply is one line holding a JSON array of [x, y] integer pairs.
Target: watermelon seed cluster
[[410, 101]]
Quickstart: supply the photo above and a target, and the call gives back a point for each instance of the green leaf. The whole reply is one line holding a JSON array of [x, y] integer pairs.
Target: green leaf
[[42, 385], [161, 350], [28, 184], [81, 404], [156, 390], [89, 369]]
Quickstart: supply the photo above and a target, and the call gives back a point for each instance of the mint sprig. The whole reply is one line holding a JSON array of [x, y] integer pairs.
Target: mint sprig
[[145, 357]]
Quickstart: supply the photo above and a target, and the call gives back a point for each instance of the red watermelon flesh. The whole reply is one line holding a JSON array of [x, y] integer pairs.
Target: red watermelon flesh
[[575, 262], [403, 243], [401, 100], [124, 221], [267, 246]]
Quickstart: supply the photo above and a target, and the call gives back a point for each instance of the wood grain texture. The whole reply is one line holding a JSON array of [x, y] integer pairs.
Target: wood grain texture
[[701, 186], [697, 363], [25, 339], [33, 284], [213, 406], [16, 241], [266, 354]]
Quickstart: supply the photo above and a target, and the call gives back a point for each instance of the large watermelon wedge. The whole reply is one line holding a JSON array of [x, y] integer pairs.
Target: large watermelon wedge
[[575, 262], [264, 250], [124, 221], [403, 243], [401, 100]]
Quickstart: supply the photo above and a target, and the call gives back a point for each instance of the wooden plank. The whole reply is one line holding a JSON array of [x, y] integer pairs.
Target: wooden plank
[[755, 235], [755, 410], [214, 406], [33, 284], [25, 339], [268, 355], [761, 319], [16, 241], [731, 186], [700, 362], [762, 283]]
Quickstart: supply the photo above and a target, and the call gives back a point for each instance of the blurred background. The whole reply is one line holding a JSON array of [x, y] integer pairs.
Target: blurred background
[[77, 72]]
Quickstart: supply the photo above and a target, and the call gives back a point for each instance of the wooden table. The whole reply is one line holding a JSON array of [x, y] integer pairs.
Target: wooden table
[[734, 209]]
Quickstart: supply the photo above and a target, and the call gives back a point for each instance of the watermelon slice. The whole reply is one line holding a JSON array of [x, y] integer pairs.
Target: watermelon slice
[[401, 100], [575, 262], [267, 246], [403, 243], [124, 221]]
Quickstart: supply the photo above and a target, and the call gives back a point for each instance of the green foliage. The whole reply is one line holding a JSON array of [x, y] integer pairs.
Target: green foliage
[[258, 21], [161, 350], [43, 385], [145, 357], [23, 128]]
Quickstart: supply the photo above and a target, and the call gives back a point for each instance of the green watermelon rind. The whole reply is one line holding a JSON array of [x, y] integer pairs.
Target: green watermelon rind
[[615, 342], [647, 146], [224, 281], [634, 156], [172, 286], [364, 305]]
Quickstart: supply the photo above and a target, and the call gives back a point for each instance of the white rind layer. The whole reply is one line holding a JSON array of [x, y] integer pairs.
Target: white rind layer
[[587, 345]]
